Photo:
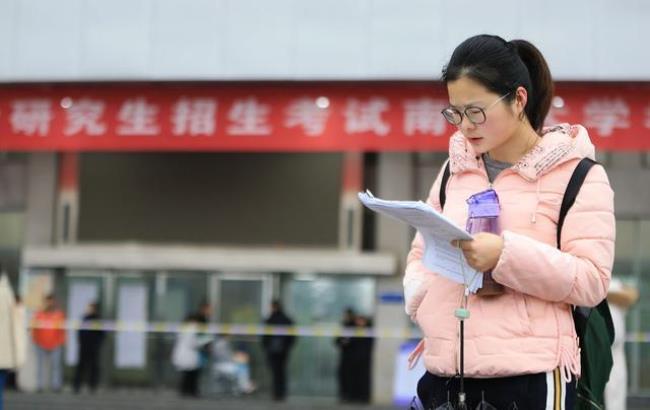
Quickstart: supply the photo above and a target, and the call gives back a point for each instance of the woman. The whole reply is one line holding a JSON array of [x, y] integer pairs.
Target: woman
[[520, 346], [186, 356]]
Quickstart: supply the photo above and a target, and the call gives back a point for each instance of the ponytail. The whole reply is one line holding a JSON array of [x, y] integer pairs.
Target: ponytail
[[541, 83]]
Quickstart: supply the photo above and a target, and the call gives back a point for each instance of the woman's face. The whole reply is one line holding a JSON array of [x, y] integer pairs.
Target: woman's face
[[501, 116]]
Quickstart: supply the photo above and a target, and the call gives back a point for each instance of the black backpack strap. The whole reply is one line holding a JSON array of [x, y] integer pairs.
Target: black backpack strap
[[572, 189], [443, 185], [581, 314]]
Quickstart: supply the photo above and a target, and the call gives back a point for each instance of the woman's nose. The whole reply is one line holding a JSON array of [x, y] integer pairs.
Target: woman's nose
[[466, 125]]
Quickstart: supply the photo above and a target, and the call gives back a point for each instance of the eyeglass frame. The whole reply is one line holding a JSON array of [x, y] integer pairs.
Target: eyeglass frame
[[463, 114]]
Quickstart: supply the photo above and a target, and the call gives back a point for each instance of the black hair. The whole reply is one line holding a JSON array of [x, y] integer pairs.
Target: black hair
[[502, 66]]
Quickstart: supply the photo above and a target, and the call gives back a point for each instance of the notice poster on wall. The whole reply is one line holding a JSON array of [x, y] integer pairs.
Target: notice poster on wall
[[80, 295], [130, 346]]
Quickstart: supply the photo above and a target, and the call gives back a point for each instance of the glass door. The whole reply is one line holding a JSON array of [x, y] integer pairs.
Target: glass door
[[133, 354], [244, 299]]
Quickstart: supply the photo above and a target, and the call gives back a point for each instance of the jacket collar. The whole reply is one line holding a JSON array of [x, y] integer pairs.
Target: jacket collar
[[559, 144]]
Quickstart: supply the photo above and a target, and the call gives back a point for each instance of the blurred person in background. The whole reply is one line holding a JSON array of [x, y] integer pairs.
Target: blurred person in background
[[232, 363], [13, 338], [204, 313], [202, 317], [186, 355], [90, 342], [620, 297], [277, 348], [361, 362], [11, 381], [346, 356], [49, 337]]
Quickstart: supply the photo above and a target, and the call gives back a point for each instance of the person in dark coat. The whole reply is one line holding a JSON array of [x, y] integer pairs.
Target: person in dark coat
[[202, 317], [90, 342], [345, 369], [361, 363], [277, 349]]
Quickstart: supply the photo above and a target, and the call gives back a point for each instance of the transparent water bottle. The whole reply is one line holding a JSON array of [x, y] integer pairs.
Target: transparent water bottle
[[483, 216]]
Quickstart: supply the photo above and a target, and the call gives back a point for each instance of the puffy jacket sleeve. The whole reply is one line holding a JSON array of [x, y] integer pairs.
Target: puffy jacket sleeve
[[580, 272], [417, 278]]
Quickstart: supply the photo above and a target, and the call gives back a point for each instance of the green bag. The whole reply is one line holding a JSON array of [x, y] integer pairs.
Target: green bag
[[596, 331]]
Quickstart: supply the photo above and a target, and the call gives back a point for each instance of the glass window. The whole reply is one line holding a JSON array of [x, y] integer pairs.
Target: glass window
[[321, 300], [183, 296], [240, 301]]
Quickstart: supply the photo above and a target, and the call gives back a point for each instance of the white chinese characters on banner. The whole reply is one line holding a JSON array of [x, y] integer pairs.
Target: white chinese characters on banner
[[194, 116], [606, 114], [366, 116], [249, 117], [137, 117], [31, 116], [423, 116], [305, 113], [646, 120], [85, 115]]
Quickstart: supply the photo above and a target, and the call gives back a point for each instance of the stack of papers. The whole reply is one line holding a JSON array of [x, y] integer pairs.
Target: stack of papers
[[438, 231]]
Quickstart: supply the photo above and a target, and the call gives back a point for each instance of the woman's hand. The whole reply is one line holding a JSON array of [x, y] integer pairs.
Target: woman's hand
[[483, 252]]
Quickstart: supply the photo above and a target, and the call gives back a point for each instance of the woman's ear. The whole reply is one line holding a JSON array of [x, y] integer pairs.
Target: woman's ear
[[521, 98]]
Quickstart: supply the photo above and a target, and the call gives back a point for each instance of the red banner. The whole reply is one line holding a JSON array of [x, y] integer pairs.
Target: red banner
[[282, 116]]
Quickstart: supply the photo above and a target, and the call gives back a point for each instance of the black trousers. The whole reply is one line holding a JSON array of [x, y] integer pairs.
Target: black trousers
[[278, 364], [190, 383], [361, 378], [529, 392], [87, 370], [345, 379]]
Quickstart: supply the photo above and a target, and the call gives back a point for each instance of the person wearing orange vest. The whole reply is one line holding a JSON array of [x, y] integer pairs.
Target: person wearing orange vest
[[49, 337]]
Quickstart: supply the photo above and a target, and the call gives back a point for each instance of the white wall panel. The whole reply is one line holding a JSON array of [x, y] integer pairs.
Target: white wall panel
[[196, 50], [117, 39], [72, 40], [331, 39], [395, 51], [7, 19], [47, 39], [259, 38]]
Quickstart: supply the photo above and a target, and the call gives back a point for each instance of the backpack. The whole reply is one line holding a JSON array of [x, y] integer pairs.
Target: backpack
[[594, 326]]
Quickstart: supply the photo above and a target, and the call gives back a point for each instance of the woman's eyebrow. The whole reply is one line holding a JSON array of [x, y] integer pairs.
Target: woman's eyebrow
[[469, 104]]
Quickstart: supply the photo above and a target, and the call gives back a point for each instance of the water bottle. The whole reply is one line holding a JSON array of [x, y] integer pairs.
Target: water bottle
[[483, 216]]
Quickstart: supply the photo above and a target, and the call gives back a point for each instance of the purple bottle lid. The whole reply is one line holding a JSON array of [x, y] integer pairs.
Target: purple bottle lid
[[484, 204]]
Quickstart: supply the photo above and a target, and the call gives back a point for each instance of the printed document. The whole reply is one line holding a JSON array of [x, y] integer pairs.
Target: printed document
[[438, 231]]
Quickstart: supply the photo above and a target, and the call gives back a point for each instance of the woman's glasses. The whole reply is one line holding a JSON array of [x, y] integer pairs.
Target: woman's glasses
[[475, 115]]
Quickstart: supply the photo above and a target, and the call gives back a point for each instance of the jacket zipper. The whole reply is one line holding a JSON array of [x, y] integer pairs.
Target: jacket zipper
[[483, 172]]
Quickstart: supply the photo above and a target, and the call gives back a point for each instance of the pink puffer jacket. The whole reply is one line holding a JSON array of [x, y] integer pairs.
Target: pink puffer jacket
[[530, 328]]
